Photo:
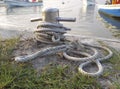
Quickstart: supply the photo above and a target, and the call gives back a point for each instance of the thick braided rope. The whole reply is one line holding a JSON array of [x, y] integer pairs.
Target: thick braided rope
[[63, 48], [90, 58], [50, 32], [98, 73], [41, 53], [54, 33], [97, 61], [50, 25], [110, 53]]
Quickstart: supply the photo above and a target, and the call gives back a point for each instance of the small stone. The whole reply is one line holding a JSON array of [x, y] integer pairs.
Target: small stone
[[106, 84]]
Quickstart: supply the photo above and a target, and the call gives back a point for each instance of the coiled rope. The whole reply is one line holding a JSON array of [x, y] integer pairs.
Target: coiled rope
[[90, 59], [50, 33]]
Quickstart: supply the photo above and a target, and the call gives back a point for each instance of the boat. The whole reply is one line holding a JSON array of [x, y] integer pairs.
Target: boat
[[20, 3], [88, 2], [110, 10], [110, 21], [1, 2]]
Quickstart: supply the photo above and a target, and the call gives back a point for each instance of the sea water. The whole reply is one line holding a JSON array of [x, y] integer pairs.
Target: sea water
[[89, 22]]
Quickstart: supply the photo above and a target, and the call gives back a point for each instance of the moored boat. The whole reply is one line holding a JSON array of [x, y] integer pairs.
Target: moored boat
[[110, 21], [88, 2], [111, 10], [22, 3], [1, 2]]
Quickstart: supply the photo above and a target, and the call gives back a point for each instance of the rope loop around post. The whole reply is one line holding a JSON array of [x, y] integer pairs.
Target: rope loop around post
[[50, 31]]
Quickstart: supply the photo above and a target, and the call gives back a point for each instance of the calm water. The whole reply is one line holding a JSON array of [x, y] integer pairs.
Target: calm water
[[88, 22]]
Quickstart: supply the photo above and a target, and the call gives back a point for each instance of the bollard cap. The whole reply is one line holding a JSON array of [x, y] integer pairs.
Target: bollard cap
[[50, 10]]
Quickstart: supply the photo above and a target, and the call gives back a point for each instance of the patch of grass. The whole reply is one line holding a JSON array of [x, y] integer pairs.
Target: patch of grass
[[22, 75], [7, 47], [115, 60], [61, 77], [116, 33], [115, 72], [13, 75], [53, 77], [117, 85]]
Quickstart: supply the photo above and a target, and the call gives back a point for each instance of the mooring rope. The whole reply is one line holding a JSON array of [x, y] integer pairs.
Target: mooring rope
[[42, 53], [50, 32], [54, 33], [90, 59], [81, 53]]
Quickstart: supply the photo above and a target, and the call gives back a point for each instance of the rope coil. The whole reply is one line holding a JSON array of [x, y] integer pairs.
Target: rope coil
[[51, 33], [90, 59]]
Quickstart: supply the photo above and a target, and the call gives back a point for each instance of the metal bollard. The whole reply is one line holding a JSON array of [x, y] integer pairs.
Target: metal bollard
[[52, 15], [50, 30], [66, 19], [36, 19]]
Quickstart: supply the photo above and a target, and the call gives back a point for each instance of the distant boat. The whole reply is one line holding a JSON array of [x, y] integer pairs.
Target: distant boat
[[88, 2], [1, 2], [111, 10], [20, 3]]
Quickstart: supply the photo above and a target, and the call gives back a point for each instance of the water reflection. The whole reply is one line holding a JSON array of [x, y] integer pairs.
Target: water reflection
[[110, 20], [87, 13], [3, 10]]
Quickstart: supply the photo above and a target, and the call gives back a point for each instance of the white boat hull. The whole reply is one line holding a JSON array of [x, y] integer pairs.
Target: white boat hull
[[115, 6], [88, 2], [22, 3]]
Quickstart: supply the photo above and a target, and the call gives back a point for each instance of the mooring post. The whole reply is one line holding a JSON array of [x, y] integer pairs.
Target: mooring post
[[48, 15], [50, 30], [52, 15]]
